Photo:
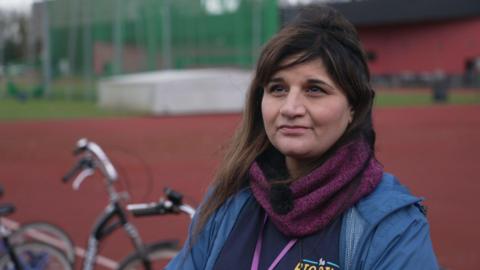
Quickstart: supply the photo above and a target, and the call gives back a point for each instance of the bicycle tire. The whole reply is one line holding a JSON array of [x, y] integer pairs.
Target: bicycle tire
[[46, 233], [38, 256], [159, 254]]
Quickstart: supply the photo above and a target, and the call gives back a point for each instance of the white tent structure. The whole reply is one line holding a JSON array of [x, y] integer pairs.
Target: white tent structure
[[171, 92]]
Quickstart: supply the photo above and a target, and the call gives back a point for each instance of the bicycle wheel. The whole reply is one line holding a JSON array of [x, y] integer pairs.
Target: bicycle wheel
[[45, 233], [159, 254], [38, 256]]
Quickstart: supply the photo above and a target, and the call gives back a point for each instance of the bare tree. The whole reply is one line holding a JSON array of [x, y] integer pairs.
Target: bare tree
[[13, 36]]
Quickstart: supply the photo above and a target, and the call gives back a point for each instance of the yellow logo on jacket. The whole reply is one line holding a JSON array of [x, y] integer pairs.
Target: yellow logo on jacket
[[321, 264]]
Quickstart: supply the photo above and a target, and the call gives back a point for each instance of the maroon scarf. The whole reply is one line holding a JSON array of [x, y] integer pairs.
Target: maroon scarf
[[317, 198]]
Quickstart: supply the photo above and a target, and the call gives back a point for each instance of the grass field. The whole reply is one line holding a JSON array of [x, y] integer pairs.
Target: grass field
[[12, 110], [423, 97]]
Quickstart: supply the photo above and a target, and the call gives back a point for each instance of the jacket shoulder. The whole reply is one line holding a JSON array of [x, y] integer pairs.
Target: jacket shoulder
[[388, 197], [397, 233]]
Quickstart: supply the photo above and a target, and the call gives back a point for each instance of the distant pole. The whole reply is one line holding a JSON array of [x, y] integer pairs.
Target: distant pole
[[31, 52], [117, 38], [139, 33], [151, 34], [166, 35], [2, 42], [72, 42], [2, 61], [72, 34], [87, 49], [256, 28], [46, 57]]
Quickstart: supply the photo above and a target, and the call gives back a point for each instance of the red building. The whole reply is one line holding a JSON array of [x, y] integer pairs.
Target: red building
[[417, 40], [423, 47]]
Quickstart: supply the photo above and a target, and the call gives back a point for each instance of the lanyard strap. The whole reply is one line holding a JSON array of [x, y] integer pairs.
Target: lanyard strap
[[258, 249]]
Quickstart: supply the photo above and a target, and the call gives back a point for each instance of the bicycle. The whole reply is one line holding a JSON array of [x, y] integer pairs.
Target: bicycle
[[92, 158], [38, 231], [172, 204], [28, 255], [48, 233]]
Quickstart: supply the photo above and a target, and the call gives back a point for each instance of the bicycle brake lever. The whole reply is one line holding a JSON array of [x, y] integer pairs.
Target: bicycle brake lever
[[81, 177]]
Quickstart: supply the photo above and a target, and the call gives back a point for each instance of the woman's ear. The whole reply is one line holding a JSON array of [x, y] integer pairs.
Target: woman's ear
[[352, 114]]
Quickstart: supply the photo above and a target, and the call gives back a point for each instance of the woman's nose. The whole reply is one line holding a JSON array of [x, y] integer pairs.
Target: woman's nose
[[293, 105]]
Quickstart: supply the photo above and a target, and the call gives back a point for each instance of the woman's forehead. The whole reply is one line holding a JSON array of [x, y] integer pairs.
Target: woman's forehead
[[293, 66], [295, 60]]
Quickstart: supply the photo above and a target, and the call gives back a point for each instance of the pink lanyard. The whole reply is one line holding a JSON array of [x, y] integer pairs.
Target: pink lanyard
[[258, 249]]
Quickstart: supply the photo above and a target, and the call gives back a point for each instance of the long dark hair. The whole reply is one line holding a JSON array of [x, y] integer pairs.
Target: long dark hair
[[317, 32]]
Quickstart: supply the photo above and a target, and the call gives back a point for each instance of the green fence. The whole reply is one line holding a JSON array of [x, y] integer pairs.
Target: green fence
[[98, 38]]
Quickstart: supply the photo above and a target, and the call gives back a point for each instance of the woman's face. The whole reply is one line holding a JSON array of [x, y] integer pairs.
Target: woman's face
[[304, 112]]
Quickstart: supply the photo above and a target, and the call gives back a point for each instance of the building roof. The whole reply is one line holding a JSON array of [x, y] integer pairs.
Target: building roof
[[380, 12]]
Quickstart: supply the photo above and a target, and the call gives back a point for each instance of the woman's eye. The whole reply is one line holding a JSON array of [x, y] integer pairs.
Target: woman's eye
[[277, 89], [315, 90]]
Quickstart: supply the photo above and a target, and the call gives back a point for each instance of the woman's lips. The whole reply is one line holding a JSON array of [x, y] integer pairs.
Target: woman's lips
[[293, 130]]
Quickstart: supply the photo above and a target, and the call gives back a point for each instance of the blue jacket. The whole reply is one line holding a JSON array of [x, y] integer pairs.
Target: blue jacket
[[385, 230]]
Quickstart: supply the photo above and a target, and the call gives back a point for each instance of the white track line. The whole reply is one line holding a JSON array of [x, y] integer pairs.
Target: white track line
[[80, 252]]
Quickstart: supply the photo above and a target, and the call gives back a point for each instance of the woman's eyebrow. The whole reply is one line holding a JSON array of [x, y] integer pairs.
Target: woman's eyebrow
[[321, 82], [275, 79]]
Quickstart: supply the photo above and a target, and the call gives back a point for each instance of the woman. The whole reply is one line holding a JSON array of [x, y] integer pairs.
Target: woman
[[300, 187]]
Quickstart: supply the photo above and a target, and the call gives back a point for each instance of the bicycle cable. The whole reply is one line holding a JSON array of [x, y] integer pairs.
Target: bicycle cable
[[147, 169]]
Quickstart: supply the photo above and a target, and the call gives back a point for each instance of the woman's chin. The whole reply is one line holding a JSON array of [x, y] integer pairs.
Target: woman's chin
[[297, 154]]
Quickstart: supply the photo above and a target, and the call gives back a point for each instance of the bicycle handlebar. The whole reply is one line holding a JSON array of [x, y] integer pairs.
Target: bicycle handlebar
[[171, 205], [94, 157], [159, 208], [107, 167]]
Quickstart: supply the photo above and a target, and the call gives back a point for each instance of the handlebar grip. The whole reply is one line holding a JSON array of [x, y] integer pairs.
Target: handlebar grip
[[6, 209], [81, 164], [73, 171], [139, 210], [145, 212]]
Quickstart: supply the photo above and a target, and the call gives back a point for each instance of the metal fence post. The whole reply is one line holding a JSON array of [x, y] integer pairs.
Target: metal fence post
[[118, 38], [166, 36], [46, 56]]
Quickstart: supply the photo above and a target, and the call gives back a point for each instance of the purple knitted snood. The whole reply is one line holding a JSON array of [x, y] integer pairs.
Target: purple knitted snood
[[325, 193]]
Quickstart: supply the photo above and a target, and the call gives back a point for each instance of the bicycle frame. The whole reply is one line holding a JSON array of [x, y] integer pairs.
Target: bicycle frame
[[9, 248], [114, 216], [5, 234], [18, 263], [106, 225]]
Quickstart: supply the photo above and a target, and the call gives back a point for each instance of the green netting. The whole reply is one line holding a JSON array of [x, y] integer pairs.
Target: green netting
[[123, 36]]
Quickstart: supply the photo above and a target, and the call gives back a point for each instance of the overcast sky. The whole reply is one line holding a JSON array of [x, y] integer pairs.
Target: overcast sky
[[21, 5]]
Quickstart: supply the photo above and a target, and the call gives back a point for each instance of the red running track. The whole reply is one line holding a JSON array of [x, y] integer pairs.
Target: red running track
[[433, 150]]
